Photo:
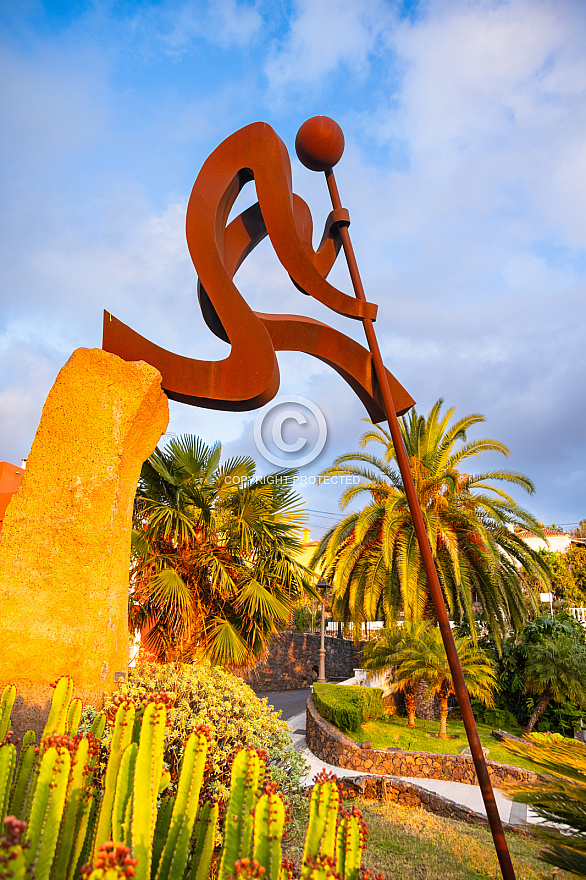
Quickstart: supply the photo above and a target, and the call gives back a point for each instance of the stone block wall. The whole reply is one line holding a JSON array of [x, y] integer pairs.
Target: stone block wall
[[409, 794], [334, 747], [292, 662]]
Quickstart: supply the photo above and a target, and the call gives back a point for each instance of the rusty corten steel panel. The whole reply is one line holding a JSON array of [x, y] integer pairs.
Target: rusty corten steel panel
[[249, 376]]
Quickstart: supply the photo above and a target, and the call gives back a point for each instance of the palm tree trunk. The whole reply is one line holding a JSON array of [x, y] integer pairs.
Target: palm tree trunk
[[429, 612], [409, 694], [543, 701], [443, 731]]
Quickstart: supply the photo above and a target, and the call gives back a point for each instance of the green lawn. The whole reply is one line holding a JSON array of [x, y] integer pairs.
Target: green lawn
[[410, 844], [392, 731]]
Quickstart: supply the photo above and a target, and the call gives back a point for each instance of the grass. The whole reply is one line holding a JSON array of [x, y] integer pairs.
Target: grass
[[410, 844], [392, 731]]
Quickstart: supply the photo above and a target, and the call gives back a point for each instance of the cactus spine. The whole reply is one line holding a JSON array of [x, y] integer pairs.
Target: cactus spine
[[176, 851], [247, 775]]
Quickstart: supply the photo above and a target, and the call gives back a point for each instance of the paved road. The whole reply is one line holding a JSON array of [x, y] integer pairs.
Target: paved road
[[290, 702]]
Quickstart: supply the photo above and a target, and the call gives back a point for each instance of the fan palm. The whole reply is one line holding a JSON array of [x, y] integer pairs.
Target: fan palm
[[214, 571], [556, 670], [423, 658], [378, 656], [372, 556]]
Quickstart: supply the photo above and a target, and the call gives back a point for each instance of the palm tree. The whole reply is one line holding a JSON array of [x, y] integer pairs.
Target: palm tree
[[213, 571], [556, 670], [372, 557], [423, 658], [378, 656]]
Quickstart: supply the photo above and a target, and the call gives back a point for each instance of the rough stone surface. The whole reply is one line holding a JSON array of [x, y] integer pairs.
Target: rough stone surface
[[409, 794], [334, 747], [292, 662], [65, 543]]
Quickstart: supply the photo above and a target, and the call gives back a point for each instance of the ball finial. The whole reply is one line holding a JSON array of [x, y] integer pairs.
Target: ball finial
[[319, 143]]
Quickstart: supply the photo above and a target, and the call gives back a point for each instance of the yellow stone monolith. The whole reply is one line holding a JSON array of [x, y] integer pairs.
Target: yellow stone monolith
[[65, 543]]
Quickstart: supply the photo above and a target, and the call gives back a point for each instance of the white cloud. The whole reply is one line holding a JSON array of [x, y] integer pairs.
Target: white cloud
[[175, 27], [323, 36]]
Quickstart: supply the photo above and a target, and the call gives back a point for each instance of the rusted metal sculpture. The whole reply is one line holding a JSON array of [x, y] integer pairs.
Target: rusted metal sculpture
[[249, 376]]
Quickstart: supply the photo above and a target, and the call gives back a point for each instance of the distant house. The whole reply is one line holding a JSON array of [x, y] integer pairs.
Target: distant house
[[308, 547], [555, 540], [10, 479]]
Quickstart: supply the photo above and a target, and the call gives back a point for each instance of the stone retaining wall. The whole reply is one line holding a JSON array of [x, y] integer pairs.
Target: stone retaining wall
[[334, 747], [409, 794], [292, 661]]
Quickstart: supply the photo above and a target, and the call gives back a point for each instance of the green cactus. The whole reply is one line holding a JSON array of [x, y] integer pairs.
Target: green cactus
[[147, 777], [247, 775], [112, 862], [269, 821], [122, 809], [6, 704], [47, 809], [99, 725], [7, 765], [350, 844], [176, 851], [319, 867], [57, 719], [79, 782], [204, 838], [73, 717], [24, 775], [323, 812], [71, 822], [121, 738], [12, 852], [84, 841], [162, 826]]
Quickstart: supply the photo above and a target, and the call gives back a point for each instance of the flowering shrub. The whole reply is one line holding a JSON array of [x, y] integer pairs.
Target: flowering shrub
[[235, 716]]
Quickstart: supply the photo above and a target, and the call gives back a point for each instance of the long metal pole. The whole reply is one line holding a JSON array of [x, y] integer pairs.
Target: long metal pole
[[492, 813], [322, 649]]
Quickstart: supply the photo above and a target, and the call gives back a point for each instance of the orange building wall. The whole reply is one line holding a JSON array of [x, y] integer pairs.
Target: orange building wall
[[10, 479]]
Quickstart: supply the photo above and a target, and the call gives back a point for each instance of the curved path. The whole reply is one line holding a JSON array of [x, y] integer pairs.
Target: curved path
[[292, 705]]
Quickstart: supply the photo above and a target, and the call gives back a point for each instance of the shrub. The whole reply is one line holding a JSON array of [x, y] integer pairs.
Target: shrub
[[348, 706], [558, 799], [203, 695]]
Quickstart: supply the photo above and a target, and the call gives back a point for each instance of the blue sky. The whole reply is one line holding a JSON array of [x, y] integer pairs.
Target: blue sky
[[464, 173]]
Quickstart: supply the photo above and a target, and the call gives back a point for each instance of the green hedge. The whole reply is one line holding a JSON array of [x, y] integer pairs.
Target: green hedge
[[348, 706]]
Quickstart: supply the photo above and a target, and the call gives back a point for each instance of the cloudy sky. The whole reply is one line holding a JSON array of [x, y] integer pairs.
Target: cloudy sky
[[464, 173]]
